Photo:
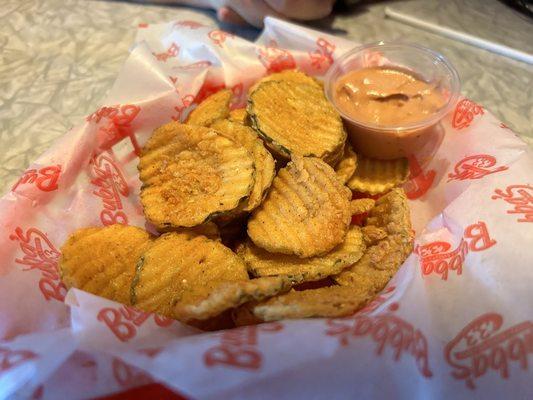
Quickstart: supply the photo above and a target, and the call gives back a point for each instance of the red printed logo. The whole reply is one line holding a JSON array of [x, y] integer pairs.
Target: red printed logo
[[520, 197], [464, 113], [436, 257], [478, 237], [40, 254], [386, 330], [275, 59], [238, 91], [107, 176], [196, 65], [322, 57], [172, 52], [475, 167], [372, 58], [123, 322], [143, 25], [420, 181], [13, 358], [38, 393], [189, 24], [218, 37], [45, 179], [186, 102], [479, 347], [503, 126], [127, 376], [117, 124], [238, 347], [150, 351]]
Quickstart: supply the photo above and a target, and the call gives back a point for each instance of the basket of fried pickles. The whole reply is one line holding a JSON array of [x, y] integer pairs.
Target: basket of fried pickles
[[263, 213]]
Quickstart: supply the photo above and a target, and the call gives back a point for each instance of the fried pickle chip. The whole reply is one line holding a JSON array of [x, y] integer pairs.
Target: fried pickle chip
[[263, 160], [211, 109], [377, 176], [333, 301], [229, 295], [238, 115], [390, 220], [191, 174], [360, 206], [262, 263], [296, 119], [373, 234], [102, 260], [306, 212], [346, 167], [358, 283], [179, 266], [291, 75]]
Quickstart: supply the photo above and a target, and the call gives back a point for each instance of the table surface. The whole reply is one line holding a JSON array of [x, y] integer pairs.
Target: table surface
[[59, 58]]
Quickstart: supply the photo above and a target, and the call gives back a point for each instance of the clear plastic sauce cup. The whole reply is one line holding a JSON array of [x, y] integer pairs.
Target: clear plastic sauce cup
[[420, 138]]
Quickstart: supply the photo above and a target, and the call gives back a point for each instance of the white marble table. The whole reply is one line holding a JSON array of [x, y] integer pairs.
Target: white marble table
[[59, 57]]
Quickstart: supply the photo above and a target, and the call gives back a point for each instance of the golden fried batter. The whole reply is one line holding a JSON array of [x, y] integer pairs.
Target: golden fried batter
[[230, 295], [191, 174], [359, 283], [262, 263], [211, 109], [102, 261], [238, 115], [296, 119], [263, 161], [178, 266], [333, 301], [377, 176], [346, 167], [381, 261], [290, 75], [306, 213]]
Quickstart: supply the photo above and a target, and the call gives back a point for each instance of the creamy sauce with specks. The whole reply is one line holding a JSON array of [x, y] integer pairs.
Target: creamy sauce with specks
[[386, 96]]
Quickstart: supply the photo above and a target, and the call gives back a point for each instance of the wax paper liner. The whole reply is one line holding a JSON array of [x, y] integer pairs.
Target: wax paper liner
[[454, 322]]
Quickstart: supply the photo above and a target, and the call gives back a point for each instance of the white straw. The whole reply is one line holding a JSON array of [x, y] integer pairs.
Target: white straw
[[461, 36]]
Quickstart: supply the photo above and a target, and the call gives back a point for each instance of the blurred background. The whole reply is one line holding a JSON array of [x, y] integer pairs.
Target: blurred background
[[58, 58]]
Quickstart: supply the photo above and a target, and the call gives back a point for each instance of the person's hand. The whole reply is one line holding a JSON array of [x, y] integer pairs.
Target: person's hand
[[253, 11], [244, 12]]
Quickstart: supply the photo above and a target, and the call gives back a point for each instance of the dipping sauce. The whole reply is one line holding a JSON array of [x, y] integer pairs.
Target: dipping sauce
[[386, 96]]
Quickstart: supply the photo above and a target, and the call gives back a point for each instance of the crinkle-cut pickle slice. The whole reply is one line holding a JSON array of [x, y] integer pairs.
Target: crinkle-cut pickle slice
[[390, 221], [191, 174], [262, 263], [346, 167], [296, 119], [391, 242], [238, 115], [291, 75], [377, 176], [178, 265], [263, 160], [229, 295], [306, 212], [102, 260], [213, 108], [332, 301]]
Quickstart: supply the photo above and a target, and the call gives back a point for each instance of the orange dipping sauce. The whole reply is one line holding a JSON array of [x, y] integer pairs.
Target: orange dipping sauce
[[386, 96]]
